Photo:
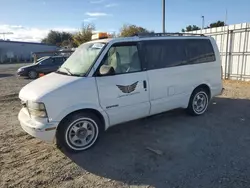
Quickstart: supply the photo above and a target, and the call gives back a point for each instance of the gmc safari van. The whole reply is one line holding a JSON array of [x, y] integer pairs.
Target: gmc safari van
[[108, 81]]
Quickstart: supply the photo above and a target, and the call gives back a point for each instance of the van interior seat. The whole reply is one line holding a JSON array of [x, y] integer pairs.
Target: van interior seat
[[135, 64], [115, 62]]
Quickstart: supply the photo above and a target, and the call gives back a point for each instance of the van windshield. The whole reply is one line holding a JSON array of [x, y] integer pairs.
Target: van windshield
[[82, 59]]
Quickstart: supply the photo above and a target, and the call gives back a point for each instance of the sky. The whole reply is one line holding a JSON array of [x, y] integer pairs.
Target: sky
[[31, 20]]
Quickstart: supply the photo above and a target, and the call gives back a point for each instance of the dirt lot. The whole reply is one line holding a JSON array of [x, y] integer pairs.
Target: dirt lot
[[208, 151]]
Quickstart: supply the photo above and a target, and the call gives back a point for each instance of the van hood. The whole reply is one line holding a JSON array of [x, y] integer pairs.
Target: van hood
[[38, 88]]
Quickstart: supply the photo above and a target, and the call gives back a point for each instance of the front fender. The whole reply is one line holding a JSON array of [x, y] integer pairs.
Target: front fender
[[82, 106]]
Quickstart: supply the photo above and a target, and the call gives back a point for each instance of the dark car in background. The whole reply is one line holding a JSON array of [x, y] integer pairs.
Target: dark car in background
[[44, 65]]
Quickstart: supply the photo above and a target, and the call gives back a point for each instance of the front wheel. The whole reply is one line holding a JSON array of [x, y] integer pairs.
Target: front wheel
[[79, 132], [198, 102], [32, 74]]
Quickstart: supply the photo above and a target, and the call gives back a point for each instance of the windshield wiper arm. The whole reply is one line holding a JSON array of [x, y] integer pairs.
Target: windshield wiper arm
[[68, 70]]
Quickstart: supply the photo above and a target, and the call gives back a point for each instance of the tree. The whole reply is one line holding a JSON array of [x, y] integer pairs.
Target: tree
[[191, 28], [57, 38], [84, 35], [67, 43], [130, 30], [216, 24], [212, 25]]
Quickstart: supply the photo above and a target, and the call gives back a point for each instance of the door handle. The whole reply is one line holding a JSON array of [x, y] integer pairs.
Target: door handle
[[144, 84]]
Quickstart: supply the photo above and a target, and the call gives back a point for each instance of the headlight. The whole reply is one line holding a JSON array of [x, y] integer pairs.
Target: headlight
[[37, 109], [20, 70]]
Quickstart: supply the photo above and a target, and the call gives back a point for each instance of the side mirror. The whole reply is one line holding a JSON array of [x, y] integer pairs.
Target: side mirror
[[106, 70]]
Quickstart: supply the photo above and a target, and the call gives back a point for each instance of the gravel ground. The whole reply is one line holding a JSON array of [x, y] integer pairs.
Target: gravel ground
[[207, 151]]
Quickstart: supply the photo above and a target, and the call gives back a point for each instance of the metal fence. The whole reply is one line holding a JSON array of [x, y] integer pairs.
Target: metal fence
[[234, 46]]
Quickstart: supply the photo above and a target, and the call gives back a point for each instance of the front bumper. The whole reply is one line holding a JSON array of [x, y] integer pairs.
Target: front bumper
[[43, 131], [22, 73]]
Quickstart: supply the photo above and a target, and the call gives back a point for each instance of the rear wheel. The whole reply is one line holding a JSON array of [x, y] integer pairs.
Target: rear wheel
[[32, 74], [198, 102], [79, 132]]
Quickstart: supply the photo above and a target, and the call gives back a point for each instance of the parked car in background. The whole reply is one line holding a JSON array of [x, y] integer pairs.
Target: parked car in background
[[40, 59], [44, 65]]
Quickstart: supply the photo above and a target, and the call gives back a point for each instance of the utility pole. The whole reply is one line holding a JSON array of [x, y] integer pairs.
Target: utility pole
[[6, 33], [203, 22], [163, 16], [226, 17]]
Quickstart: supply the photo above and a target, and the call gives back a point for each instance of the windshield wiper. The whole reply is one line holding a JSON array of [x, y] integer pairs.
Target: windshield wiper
[[68, 70]]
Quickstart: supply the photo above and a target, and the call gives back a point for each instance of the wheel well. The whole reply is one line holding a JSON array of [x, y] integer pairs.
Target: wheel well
[[89, 110], [206, 87]]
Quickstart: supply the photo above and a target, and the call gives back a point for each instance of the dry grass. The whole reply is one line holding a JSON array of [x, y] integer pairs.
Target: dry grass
[[236, 82]]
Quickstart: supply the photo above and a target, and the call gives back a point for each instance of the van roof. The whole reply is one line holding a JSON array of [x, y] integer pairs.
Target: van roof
[[101, 40], [152, 36]]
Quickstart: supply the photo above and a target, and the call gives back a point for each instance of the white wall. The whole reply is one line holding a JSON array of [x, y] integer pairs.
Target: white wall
[[13, 51]]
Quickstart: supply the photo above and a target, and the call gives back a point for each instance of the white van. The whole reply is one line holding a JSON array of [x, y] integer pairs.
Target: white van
[[108, 81]]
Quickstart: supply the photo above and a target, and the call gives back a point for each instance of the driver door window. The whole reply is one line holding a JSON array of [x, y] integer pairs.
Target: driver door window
[[124, 59]]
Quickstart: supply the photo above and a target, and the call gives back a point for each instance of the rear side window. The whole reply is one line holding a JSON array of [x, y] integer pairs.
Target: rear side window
[[164, 53], [199, 51], [177, 52]]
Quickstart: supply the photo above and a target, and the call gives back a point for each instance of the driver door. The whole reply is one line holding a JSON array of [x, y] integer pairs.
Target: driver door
[[125, 95]]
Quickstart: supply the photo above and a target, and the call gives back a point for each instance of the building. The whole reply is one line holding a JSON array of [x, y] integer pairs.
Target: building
[[13, 51], [234, 45]]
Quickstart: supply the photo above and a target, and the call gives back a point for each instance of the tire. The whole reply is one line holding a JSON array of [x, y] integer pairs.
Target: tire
[[198, 102], [32, 74], [79, 132]]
